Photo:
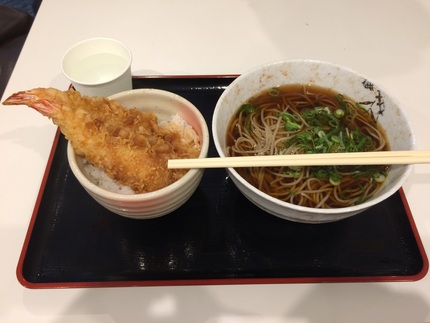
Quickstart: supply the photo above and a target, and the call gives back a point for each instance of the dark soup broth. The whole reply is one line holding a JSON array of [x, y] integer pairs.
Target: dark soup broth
[[307, 119]]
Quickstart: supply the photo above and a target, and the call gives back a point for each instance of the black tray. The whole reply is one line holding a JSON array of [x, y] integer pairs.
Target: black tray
[[217, 237]]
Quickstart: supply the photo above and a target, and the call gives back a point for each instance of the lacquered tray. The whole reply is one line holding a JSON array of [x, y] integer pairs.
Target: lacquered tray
[[217, 237]]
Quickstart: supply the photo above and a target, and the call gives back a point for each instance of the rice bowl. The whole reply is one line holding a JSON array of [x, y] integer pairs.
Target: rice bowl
[[167, 106]]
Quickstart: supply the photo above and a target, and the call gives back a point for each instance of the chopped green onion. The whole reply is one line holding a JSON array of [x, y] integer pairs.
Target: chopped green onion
[[322, 110], [321, 133], [335, 179], [335, 139], [292, 126], [274, 91], [333, 123], [246, 108], [339, 113], [328, 130], [379, 178], [292, 173], [342, 102], [289, 120], [322, 172], [308, 113]]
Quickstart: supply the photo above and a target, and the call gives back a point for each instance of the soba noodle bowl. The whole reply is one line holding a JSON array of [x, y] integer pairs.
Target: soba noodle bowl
[[299, 119]]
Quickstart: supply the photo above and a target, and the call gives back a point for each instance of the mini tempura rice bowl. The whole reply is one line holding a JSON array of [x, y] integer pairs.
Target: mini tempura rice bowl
[[339, 79], [165, 200]]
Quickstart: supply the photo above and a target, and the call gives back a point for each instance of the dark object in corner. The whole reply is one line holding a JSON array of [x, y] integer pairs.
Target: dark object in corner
[[14, 27]]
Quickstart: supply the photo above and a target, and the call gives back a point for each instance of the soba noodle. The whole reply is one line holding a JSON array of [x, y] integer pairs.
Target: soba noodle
[[297, 119]]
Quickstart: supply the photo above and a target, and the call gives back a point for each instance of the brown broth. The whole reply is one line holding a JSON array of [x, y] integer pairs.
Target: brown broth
[[273, 180]]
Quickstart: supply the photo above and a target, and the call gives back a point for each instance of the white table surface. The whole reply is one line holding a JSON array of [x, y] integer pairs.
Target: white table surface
[[386, 40]]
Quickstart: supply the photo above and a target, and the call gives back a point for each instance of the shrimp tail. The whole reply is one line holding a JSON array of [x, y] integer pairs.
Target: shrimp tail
[[31, 99]]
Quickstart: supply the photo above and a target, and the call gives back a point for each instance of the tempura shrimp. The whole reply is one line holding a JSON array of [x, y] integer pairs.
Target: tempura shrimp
[[127, 144]]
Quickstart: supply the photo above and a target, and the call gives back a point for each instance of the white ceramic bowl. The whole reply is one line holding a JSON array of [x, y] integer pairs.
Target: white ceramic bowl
[[163, 201], [340, 79]]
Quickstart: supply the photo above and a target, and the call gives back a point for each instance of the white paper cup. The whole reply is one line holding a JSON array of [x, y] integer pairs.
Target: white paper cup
[[98, 67]]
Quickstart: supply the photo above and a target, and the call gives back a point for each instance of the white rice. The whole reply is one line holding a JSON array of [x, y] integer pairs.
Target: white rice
[[188, 134], [97, 176], [102, 180]]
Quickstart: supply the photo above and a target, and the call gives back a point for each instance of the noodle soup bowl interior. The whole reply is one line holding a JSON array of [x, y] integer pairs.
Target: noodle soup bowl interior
[[326, 75], [165, 200]]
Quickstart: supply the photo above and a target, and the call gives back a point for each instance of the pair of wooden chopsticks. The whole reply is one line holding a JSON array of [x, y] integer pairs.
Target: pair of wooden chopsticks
[[359, 158]]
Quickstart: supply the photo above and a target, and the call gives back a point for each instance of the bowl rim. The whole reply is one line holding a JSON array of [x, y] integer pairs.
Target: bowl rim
[[88, 185], [315, 211]]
